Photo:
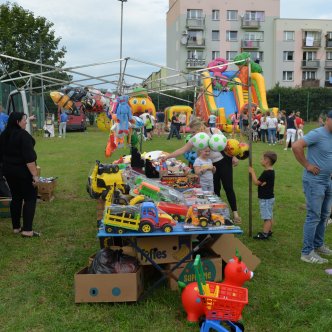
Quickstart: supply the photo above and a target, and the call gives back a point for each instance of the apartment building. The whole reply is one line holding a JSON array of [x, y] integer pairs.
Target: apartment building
[[291, 52]]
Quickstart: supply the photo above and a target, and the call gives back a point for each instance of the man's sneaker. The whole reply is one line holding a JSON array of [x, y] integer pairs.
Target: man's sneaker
[[324, 250], [329, 222], [313, 258]]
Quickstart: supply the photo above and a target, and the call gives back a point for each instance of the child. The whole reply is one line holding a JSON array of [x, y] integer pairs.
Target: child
[[255, 131], [265, 185], [281, 131], [204, 169], [300, 131]]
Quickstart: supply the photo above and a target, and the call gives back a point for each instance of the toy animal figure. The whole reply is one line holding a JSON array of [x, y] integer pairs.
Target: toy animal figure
[[217, 72], [110, 147], [123, 114], [236, 274]]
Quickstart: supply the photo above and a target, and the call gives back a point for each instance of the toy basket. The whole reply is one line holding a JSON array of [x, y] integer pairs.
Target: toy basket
[[226, 303]]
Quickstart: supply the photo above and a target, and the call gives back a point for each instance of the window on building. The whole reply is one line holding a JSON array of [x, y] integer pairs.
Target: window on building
[[257, 55], [194, 13], [288, 55], [308, 75], [287, 76], [195, 54], [328, 55], [328, 76], [309, 56], [215, 35], [289, 35], [215, 15], [329, 35], [254, 16], [230, 55], [254, 35], [215, 55], [231, 35], [232, 15]]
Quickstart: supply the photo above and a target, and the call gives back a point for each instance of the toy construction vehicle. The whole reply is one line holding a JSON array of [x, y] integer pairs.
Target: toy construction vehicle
[[206, 214], [104, 181], [146, 218]]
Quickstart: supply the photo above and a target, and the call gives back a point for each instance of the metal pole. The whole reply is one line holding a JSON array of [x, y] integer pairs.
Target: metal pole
[[42, 113], [120, 77], [250, 145], [308, 98]]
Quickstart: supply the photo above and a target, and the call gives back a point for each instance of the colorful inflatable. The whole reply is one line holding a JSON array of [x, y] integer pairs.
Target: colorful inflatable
[[139, 102]]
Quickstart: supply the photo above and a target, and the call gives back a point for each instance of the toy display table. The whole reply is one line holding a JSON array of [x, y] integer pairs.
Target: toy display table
[[134, 238]]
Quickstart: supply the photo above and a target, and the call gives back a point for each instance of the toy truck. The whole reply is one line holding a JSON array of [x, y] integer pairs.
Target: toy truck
[[146, 218], [206, 214], [177, 211]]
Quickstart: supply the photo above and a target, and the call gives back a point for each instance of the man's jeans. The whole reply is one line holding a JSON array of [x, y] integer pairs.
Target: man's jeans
[[318, 195]]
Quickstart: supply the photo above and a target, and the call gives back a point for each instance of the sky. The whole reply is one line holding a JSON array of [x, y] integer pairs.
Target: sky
[[90, 30]]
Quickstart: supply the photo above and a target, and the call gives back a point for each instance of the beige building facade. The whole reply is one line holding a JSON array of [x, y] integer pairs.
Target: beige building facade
[[291, 52]]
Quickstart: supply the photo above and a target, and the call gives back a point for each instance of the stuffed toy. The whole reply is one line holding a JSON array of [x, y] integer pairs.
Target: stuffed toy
[[123, 114]]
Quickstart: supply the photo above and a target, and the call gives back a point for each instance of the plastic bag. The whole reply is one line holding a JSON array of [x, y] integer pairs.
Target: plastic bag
[[113, 261]]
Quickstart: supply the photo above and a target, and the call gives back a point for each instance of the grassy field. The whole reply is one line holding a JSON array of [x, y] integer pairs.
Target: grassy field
[[37, 275]]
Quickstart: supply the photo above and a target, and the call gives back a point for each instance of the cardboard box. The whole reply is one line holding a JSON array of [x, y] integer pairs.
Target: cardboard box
[[163, 249], [226, 246], [212, 268], [46, 187], [117, 287], [5, 207], [126, 250]]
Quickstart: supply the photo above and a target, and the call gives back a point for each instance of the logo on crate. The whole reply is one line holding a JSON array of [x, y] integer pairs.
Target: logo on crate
[[188, 274], [154, 253]]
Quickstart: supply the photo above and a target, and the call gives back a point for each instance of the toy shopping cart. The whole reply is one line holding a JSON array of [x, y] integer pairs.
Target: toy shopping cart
[[221, 302]]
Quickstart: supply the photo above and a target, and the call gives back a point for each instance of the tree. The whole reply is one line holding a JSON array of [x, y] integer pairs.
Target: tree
[[31, 38]]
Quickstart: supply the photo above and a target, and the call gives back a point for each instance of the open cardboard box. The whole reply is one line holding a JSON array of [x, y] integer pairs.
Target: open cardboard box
[[117, 287], [226, 246]]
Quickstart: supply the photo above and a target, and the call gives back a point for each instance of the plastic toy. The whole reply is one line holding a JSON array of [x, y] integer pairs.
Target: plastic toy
[[201, 140], [177, 211], [209, 299], [104, 179], [123, 114], [244, 151], [217, 142], [119, 219], [139, 102], [203, 215], [181, 181], [232, 147]]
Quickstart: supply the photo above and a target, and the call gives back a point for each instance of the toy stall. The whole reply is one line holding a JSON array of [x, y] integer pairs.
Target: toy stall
[[152, 212]]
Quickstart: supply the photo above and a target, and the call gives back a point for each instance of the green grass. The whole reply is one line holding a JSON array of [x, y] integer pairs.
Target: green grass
[[37, 275]]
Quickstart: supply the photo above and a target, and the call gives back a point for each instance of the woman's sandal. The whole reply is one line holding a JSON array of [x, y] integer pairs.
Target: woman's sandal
[[17, 231], [34, 234], [237, 220]]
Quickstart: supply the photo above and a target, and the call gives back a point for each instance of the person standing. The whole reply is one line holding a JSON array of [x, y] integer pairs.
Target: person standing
[[272, 124], [174, 127], [183, 122], [265, 184], [317, 187], [63, 123], [212, 120], [160, 122], [3, 120], [224, 165], [20, 170], [291, 129], [263, 128]]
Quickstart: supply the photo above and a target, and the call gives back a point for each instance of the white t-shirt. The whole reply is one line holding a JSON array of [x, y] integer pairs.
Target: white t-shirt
[[271, 122], [212, 118], [263, 123], [182, 118], [207, 176]]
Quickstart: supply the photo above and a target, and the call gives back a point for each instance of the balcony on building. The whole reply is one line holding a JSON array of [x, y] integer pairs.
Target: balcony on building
[[312, 64], [249, 44], [312, 39], [247, 23], [196, 23], [328, 63], [310, 83], [195, 42], [195, 63]]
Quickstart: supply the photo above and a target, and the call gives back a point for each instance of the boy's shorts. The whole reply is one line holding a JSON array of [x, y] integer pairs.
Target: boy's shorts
[[266, 208]]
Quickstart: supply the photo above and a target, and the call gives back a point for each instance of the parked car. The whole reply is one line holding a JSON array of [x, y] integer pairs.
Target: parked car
[[76, 119]]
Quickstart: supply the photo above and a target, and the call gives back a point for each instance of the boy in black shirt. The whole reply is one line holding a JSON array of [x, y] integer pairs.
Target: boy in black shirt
[[265, 185]]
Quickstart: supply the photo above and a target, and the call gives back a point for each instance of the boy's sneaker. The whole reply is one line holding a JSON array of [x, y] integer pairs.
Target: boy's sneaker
[[324, 250], [313, 258], [329, 222], [261, 236]]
